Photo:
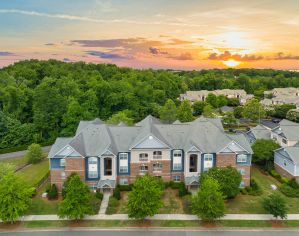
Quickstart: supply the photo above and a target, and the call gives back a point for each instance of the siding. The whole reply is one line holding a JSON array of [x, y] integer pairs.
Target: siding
[[279, 160]]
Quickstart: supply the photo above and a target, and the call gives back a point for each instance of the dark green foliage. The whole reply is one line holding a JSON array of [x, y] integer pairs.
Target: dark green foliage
[[145, 198], [184, 112], [34, 153], [52, 192], [78, 200], [233, 102], [263, 153], [168, 112], [198, 107], [228, 178], [280, 111], [116, 193], [254, 189], [277, 176], [253, 110], [238, 112], [39, 99], [208, 203], [66, 182], [288, 191], [125, 187], [275, 204], [99, 195], [212, 100]]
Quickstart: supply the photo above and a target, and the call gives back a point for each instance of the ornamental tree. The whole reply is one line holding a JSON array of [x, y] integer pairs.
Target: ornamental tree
[[253, 110], [34, 153], [208, 203], [263, 152], [228, 178], [167, 112], [145, 198], [77, 202], [15, 197], [184, 112], [275, 204]]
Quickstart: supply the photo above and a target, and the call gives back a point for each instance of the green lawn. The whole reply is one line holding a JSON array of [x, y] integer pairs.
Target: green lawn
[[33, 174], [16, 162], [253, 204], [156, 223], [43, 206]]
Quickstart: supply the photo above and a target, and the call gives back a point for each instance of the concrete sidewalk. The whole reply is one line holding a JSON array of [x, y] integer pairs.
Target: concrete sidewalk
[[104, 203], [161, 217]]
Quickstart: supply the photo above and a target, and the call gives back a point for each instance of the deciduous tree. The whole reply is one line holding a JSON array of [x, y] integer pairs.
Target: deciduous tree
[[34, 153], [253, 110], [184, 112], [168, 112], [275, 204]]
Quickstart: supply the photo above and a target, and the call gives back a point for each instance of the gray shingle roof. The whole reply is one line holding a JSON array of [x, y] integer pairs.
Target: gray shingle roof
[[260, 132], [206, 134], [288, 129], [293, 153], [58, 145]]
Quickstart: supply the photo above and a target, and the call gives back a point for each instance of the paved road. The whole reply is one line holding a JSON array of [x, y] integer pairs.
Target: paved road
[[21, 153], [164, 232]]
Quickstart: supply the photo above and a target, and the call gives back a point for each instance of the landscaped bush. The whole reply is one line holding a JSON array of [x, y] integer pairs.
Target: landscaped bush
[[112, 206], [99, 195], [52, 192], [116, 193], [254, 189], [34, 153], [290, 189], [277, 176], [183, 191], [125, 187]]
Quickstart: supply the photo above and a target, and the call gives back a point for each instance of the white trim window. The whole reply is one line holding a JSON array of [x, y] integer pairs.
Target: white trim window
[[177, 160], [143, 168], [143, 157], [241, 158], [176, 178], [62, 175], [123, 162], [62, 162], [92, 167], [157, 155], [123, 181], [208, 161], [157, 167]]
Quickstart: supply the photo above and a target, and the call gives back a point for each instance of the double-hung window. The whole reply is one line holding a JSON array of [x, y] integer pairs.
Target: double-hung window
[[123, 163], [157, 167], [143, 157], [177, 160], [208, 161], [92, 167], [62, 162], [157, 155], [241, 158]]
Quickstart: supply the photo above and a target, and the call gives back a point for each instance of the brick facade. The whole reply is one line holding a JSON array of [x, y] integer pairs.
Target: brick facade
[[77, 165], [55, 178], [246, 176], [224, 160]]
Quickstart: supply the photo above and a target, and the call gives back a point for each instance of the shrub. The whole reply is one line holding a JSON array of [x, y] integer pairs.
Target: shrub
[[292, 183], [275, 204], [99, 195], [52, 192], [125, 187], [116, 193], [289, 191], [34, 153], [183, 191], [277, 176], [254, 189]]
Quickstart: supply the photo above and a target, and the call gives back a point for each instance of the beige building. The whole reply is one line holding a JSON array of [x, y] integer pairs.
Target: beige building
[[201, 95], [280, 96]]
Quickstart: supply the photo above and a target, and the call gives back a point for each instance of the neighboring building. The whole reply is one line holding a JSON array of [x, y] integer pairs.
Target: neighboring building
[[202, 95], [286, 133], [286, 161], [225, 109], [106, 155], [280, 96], [258, 132]]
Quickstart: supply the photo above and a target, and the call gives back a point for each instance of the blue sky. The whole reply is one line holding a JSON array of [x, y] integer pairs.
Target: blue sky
[[182, 34]]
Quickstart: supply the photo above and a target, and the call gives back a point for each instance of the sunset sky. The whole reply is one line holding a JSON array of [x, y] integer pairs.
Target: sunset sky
[[174, 34]]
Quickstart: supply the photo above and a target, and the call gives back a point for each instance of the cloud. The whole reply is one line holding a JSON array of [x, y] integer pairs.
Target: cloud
[[182, 57], [282, 56], [96, 20], [106, 55], [50, 44], [175, 41], [66, 59], [4, 54], [228, 55]]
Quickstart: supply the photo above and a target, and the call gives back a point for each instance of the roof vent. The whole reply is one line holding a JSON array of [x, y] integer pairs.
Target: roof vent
[[150, 137]]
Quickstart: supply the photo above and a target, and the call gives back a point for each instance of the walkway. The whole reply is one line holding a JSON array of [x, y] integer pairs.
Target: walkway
[[104, 203], [102, 216], [21, 153]]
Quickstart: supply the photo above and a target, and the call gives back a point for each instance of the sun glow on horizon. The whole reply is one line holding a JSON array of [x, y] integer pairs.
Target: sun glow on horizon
[[231, 63]]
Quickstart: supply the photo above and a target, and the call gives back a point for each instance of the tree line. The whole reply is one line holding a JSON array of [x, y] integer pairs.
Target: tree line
[[40, 100]]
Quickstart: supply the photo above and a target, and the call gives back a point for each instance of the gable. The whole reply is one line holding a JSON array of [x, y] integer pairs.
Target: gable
[[151, 142], [194, 149], [68, 151], [233, 147]]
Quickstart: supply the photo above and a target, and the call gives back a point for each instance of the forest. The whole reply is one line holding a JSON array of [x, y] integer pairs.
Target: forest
[[41, 100]]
